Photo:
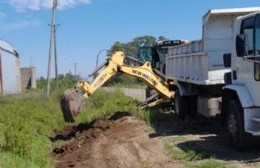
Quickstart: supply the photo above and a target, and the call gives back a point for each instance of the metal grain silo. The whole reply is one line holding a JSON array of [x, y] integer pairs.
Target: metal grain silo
[[10, 78]]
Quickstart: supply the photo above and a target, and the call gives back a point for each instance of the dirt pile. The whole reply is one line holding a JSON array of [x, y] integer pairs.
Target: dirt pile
[[122, 141]]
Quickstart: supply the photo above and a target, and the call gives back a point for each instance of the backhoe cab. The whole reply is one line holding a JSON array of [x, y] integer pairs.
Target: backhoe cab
[[156, 54]]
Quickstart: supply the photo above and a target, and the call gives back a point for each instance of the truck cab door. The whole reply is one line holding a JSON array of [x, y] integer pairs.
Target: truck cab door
[[247, 70]]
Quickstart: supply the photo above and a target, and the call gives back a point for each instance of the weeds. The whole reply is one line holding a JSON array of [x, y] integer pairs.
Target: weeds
[[28, 120], [26, 123], [103, 104]]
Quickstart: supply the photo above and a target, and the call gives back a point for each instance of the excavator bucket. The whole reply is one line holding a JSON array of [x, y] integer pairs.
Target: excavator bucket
[[71, 103]]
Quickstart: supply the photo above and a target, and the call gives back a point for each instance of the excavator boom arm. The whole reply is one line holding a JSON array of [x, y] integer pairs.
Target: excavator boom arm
[[115, 64], [110, 69], [146, 73]]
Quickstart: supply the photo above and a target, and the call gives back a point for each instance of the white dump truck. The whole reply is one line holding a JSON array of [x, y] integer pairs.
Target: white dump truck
[[220, 74]]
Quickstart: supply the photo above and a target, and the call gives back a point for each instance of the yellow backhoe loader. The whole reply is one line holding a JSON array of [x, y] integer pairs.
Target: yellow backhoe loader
[[72, 100]]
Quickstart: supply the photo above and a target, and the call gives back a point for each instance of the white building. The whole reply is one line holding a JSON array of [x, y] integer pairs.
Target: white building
[[10, 76]]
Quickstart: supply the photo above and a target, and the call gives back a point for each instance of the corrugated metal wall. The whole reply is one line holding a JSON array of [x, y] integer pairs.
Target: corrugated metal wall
[[10, 69]]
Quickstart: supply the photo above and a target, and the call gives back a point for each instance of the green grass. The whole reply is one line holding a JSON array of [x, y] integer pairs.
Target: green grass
[[27, 121], [192, 158], [102, 105]]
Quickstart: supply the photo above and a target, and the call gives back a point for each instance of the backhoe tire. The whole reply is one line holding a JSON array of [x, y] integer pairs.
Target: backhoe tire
[[180, 105], [237, 135]]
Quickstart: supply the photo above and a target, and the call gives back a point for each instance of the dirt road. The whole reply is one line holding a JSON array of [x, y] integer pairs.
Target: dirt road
[[122, 141], [205, 136]]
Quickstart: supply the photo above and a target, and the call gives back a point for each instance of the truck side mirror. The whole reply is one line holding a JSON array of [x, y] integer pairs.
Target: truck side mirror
[[241, 45], [227, 60]]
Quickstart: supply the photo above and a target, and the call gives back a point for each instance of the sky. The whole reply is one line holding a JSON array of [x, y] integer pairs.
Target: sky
[[88, 26]]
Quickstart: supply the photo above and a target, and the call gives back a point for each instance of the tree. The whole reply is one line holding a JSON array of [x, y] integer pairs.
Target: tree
[[41, 83], [65, 81], [162, 38], [143, 41], [131, 48]]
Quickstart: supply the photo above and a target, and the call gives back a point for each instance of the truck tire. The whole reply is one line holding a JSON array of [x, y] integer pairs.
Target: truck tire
[[237, 135], [180, 105]]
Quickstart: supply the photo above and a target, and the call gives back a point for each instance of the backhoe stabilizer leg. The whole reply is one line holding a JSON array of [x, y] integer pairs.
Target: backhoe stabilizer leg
[[153, 100]]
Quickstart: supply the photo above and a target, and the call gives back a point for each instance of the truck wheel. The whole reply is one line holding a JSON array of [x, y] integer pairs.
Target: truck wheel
[[237, 135], [180, 105]]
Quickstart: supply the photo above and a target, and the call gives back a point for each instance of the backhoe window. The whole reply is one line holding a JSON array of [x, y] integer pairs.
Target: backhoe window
[[145, 54], [257, 48]]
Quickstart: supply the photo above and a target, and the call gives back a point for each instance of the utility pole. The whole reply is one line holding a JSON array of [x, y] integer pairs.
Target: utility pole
[[55, 56], [50, 47]]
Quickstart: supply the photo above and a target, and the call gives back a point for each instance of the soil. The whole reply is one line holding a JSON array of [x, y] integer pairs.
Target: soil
[[125, 141], [121, 141]]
